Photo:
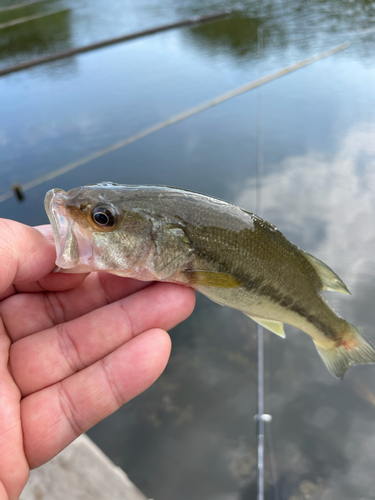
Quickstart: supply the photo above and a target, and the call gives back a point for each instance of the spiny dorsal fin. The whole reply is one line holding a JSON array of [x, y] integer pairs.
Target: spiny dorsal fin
[[329, 278], [274, 326]]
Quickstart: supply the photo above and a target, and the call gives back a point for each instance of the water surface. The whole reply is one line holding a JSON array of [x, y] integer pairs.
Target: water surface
[[192, 435]]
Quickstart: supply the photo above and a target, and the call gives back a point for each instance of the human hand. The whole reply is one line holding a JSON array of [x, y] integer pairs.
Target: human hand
[[73, 348]]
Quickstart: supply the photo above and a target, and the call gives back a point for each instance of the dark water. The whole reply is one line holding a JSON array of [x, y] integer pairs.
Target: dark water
[[192, 435]]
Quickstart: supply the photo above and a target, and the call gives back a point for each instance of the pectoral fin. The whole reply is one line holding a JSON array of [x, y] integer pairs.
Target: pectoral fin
[[172, 250], [211, 278], [274, 326], [329, 279]]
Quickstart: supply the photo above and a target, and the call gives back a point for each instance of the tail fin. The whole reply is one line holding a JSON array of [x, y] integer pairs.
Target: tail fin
[[353, 351]]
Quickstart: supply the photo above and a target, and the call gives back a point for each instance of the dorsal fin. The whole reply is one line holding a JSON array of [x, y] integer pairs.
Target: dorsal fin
[[329, 278]]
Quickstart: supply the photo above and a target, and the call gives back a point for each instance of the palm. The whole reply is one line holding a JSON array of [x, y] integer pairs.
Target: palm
[[71, 351]]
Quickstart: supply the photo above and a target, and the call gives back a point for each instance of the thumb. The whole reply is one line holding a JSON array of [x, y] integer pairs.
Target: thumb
[[26, 254]]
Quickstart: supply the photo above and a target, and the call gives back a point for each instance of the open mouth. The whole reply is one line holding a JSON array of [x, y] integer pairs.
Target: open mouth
[[73, 245]]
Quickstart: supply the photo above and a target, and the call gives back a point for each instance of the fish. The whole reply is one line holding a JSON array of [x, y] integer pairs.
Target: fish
[[232, 256]]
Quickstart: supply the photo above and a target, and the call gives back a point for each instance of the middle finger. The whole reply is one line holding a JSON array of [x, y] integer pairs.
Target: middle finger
[[47, 357]]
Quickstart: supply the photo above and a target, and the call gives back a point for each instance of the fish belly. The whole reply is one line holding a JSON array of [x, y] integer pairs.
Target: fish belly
[[258, 306]]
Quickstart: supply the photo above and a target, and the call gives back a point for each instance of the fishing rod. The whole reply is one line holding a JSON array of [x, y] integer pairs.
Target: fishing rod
[[165, 123], [20, 5], [192, 21]]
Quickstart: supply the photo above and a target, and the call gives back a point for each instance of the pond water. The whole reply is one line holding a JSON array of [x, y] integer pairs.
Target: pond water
[[192, 435]]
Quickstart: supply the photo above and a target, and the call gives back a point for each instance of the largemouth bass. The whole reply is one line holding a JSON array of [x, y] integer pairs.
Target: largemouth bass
[[232, 256]]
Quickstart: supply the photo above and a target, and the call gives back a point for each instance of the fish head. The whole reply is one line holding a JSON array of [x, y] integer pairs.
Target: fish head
[[97, 228]]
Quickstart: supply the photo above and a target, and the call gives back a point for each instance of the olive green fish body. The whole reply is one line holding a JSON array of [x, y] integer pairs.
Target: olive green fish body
[[230, 255], [276, 280]]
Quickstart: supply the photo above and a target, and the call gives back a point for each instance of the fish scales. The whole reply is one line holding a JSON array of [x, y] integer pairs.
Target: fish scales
[[298, 283], [228, 254]]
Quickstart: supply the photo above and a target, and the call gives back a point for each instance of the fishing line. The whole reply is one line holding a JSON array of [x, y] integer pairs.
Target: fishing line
[[259, 417]]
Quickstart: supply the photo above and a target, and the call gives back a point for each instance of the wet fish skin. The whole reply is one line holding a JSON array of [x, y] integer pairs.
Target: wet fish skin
[[232, 256]]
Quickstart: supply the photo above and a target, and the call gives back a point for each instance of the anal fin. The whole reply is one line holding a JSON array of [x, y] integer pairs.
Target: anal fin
[[276, 327]]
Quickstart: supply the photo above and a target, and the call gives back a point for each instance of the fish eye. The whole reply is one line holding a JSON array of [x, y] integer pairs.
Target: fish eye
[[103, 217]]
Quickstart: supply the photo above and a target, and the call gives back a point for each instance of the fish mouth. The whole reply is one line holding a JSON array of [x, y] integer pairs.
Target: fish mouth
[[74, 250]]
